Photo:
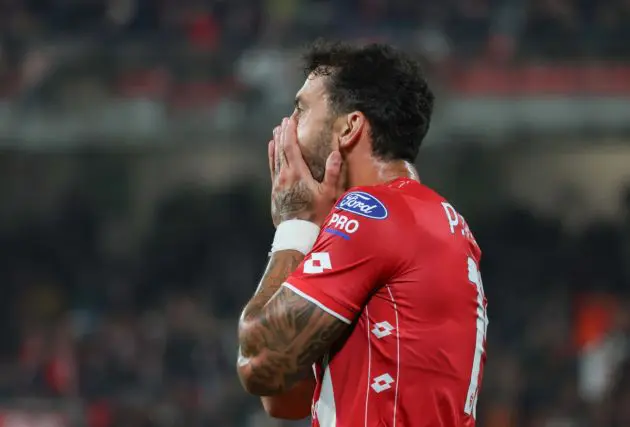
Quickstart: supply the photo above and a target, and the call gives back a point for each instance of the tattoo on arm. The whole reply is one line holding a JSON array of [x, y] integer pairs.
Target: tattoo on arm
[[280, 266], [282, 334]]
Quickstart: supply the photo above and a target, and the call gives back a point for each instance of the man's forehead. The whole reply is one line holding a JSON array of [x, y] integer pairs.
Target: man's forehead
[[313, 88]]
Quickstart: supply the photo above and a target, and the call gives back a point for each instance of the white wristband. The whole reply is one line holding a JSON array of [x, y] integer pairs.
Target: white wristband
[[295, 234]]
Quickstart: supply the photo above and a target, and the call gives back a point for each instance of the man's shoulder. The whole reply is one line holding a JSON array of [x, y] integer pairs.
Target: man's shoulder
[[365, 202], [379, 202], [374, 207], [363, 215], [392, 203]]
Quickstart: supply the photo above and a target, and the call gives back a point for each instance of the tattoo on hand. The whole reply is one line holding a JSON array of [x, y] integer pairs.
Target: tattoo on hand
[[292, 203]]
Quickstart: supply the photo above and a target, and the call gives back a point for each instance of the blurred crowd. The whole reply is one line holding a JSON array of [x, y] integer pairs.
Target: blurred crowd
[[148, 338], [140, 47], [544, 28]]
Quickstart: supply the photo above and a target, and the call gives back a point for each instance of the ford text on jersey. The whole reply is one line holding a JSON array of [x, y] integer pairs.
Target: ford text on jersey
[[364, 204]]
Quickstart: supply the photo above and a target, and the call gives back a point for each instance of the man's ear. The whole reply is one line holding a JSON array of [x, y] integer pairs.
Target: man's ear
[[352, 126]]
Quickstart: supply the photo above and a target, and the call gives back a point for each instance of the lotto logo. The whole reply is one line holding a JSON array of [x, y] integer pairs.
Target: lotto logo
[[382, 383], [382, 329], [317, 263]]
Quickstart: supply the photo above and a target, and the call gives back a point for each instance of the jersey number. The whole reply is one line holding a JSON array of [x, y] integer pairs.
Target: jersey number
[[482, 324]]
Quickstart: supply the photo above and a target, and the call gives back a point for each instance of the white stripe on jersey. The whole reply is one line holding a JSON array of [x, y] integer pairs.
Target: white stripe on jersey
[[389, 289], [317, 303], [325, 406], [369, 364]]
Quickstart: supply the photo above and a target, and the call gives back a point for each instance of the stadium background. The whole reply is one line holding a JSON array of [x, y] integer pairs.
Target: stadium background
[[134, 218]]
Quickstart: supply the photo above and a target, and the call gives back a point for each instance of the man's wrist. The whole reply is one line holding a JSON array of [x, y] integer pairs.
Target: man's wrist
[[295, 234]]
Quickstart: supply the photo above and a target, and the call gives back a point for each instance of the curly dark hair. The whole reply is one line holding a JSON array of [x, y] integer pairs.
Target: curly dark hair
[[385, 84]]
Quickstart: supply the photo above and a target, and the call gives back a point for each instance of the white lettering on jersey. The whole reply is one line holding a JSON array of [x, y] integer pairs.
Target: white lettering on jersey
[[343, 223], [456, 222], [364, 204], [317, 263]]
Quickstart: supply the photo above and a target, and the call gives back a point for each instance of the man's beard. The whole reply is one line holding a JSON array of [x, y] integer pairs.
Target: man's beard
[[316, 158]]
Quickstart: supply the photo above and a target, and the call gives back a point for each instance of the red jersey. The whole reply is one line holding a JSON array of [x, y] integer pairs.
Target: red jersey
[[399, 264]]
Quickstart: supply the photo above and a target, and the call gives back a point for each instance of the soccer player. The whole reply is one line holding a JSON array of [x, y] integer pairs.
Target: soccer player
[[372, 305]]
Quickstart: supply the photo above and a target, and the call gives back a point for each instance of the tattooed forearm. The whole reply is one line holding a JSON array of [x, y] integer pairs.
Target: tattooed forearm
[[280, 266], [279, 345], [280, 333]]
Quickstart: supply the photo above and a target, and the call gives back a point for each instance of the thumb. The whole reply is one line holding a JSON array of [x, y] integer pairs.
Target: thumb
[[332, 176]]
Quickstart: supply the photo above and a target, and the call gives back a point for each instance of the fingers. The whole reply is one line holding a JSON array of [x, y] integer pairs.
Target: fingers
[[281, 139], [271, 148], [287, 152], [291, 146], [277, 144], [332, 177]]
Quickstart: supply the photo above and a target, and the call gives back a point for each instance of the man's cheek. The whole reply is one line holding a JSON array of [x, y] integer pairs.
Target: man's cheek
[[302, 137]]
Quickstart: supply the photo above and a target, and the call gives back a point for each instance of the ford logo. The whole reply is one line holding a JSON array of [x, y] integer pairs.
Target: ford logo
[[363, 204]]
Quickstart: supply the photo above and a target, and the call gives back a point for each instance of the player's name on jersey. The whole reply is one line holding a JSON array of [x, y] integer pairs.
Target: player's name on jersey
[[456, 222]]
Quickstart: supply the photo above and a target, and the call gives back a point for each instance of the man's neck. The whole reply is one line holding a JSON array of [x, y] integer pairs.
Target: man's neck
[[379, 172]]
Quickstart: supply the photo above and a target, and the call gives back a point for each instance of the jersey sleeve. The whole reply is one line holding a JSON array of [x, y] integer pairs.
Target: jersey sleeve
[[350, 260]]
